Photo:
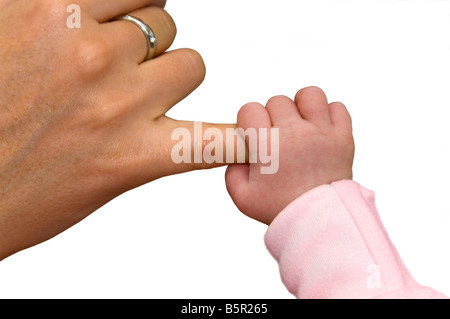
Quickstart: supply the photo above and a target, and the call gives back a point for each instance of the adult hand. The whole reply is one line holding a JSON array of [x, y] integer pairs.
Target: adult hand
[[82, 117]]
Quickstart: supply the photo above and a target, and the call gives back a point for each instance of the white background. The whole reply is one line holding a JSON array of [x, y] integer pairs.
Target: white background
[[182, 237]]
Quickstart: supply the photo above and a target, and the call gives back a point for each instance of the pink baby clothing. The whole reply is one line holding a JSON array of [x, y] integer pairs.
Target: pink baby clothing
[[331, 244]]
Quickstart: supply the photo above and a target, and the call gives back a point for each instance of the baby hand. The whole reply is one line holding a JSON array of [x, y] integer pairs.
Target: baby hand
[[315, 145]]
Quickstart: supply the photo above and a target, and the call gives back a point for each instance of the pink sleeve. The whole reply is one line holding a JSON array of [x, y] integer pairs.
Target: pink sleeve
[[331, 243]]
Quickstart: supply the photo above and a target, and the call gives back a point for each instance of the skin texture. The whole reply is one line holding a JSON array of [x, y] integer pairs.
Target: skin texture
[[82, 118], [316, 147]]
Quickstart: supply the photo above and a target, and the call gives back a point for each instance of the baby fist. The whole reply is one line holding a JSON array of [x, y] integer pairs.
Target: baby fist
[[315, 147]]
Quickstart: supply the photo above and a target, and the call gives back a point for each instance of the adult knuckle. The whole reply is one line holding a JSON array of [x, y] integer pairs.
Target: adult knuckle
[[197, 65], [91, 58], [166, 19], [53, 9]]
